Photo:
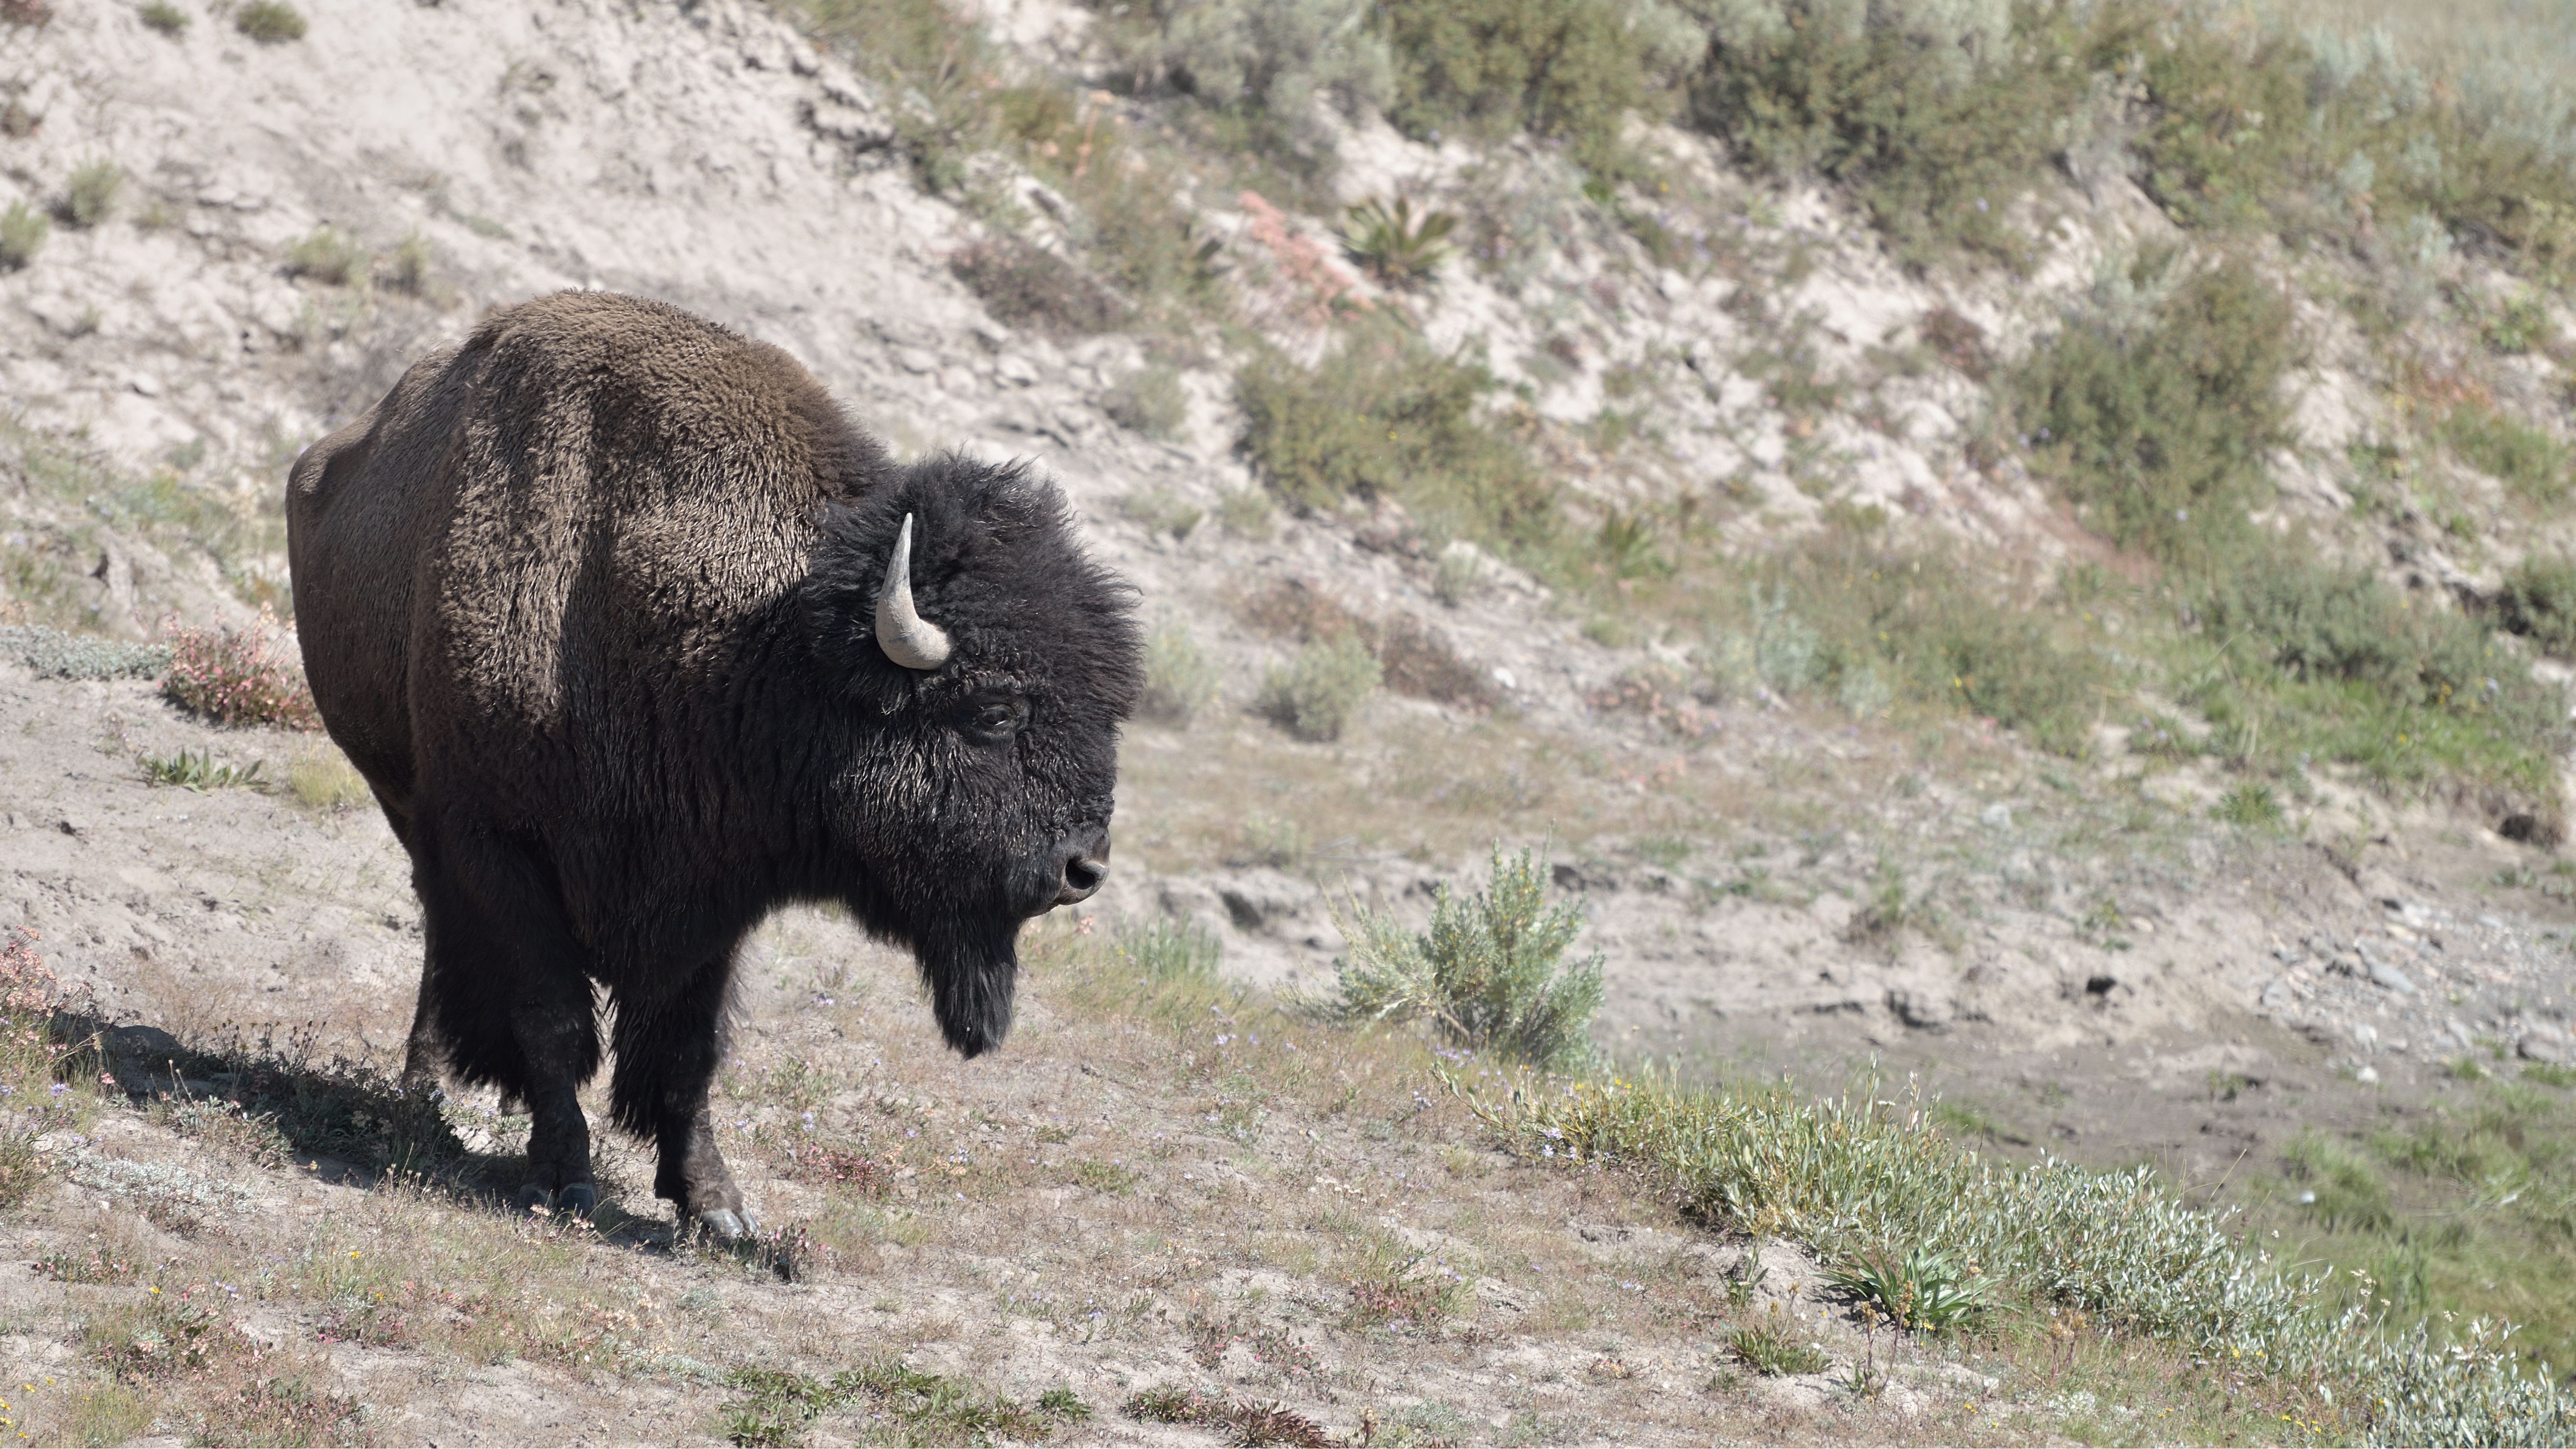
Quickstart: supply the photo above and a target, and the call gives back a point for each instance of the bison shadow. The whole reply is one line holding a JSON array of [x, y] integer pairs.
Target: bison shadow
[[284, 1104]]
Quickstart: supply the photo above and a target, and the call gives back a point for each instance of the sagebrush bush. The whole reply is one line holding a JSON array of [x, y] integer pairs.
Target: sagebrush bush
[[2538, 601], [1180, 677], [270, 22], [163, 16], [327, 255], [22, 234], [1316, 696], [1565, 70], [1936, 113], [2155, 407], [239, 677], [1149, 401], [90, 196], [1259, 65], [1490, 973], [1386, 416], [57, 654]]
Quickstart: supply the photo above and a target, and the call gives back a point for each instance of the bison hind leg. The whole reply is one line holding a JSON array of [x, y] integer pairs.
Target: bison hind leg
[[667, 1050], [507, 998]]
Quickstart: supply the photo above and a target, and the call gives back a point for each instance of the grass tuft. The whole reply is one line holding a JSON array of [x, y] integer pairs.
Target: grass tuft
[[327, 256], [22, 234], [1774, 1352]]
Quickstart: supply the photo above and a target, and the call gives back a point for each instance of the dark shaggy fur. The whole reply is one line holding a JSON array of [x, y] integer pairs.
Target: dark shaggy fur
[[590, 602]]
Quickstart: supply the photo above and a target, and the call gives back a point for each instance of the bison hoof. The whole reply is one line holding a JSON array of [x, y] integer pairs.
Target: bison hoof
[[576, 1200], [727, 1224]]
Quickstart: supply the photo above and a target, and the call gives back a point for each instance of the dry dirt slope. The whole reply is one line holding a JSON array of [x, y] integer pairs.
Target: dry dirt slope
[[1178, 1188]]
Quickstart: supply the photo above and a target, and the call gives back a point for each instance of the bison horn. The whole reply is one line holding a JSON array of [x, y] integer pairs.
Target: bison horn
[[906, 637]]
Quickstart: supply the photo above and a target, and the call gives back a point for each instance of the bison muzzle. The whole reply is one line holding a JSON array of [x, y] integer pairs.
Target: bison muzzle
[[636, 639]]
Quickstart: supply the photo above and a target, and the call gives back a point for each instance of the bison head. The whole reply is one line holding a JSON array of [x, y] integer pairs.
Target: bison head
[[978, 680]]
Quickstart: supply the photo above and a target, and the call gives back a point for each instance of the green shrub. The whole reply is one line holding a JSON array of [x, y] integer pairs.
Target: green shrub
[[1385, 416], [270, 22], [90, 196], [1257, 67], [1562, 70], [327, 256], [22, 234], [1180, 678], [2538, 601], [1315, 697], [1937, 115], [2314, 661], [1844, 1175], [2521, 325], [1864, 623], [2528, 462], [2154, 412], [1490, 974], [1149, 401], [322, 779], [164, 17], [2324, 135]]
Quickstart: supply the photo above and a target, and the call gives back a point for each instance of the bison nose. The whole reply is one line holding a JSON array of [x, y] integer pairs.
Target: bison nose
[[1086, 865]]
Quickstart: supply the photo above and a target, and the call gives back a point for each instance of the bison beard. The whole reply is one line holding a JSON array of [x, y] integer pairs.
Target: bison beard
[[604, 605]]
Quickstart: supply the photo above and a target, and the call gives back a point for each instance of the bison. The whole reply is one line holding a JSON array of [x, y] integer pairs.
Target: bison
[[637, 638]]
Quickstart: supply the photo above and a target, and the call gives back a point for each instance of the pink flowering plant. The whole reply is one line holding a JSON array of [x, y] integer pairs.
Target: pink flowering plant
[[239, 677]]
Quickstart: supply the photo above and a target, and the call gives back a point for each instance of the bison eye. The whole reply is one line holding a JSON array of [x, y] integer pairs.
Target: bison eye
[[996, 719]]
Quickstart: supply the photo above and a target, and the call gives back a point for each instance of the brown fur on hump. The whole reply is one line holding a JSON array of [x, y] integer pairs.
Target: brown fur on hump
[[618, 492]]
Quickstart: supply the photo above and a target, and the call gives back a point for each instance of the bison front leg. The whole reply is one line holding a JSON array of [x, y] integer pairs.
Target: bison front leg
[[667, 1049]]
